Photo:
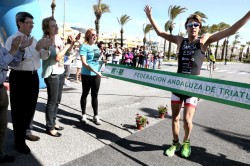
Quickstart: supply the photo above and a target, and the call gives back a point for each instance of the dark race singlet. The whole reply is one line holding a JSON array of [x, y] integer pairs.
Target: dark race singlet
[[190, 59]]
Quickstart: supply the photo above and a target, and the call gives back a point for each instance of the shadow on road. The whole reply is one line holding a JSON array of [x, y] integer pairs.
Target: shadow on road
[[199, 155]]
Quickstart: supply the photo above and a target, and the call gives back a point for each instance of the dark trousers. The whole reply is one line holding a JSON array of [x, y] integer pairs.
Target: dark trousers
[[93, 83], [54, 89], [24, 89], [4, 102]]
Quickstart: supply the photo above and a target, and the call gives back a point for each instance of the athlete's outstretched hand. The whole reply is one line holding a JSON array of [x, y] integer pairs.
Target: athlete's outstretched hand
[[148, 10]]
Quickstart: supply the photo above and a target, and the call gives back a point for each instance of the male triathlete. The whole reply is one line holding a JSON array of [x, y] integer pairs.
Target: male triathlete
[[190, 59]]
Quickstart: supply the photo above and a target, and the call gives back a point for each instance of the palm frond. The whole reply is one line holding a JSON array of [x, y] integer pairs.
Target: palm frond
[[202, 15], [174, 11], [123, 19]]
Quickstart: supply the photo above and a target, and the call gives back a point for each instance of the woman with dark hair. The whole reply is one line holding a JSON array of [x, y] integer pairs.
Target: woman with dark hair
[[53, 72], [91, 76]]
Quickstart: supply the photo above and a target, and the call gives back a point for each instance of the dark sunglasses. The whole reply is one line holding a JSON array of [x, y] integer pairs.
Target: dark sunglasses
[[93, 34], [190, 25]]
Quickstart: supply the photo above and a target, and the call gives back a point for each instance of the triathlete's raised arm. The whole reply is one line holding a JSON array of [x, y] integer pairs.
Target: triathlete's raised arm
[[174, 39]]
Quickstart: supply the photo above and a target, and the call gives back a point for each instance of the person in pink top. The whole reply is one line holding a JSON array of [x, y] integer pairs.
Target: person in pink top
[[128, 57]]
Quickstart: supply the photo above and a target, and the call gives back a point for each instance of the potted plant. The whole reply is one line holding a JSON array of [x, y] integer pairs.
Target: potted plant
[[141, 121], [163, 110]]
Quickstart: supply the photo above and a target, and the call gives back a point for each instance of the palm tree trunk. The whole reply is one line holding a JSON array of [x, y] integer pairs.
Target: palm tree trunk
[[169, 46], [226, 52], [240, 55], [97, 26], [144, 41], [121, 38], [247, 56], [169, 50], [232, 50], [164, 48], [216, 49], [223, 50]]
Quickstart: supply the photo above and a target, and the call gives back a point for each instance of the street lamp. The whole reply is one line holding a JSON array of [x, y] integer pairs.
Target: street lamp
[[64, 21], [53, 5]]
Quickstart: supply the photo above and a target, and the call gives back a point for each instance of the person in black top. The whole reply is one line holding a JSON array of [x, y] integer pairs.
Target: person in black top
[[191, 55], [142, 57]]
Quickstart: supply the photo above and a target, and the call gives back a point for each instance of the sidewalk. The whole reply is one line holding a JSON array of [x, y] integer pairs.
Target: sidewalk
[[117, 109]]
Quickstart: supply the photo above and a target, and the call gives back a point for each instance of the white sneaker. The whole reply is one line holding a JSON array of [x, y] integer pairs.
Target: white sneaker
[[97, 120], [84, 119], [68, 83]]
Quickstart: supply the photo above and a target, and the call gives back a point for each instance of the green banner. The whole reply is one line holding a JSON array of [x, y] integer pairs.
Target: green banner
[[226, 92]]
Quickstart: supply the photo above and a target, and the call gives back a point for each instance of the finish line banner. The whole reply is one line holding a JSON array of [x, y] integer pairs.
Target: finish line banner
[[226, 92]]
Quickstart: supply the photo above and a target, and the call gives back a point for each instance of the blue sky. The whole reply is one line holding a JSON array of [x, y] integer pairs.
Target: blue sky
[[80, 13]]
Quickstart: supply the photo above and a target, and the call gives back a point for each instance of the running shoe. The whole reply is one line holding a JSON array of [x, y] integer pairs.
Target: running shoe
[[83, 119], [97, 120], [173, 148], [186, 149]]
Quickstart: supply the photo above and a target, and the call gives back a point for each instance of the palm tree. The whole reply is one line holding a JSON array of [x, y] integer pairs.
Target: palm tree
[[173, 12], [223, 48], [122, 21], [247, 53], [99, 9], [212, 29], [242, 46], [146, 30], [166, 28], [204, 29], [236, 41], [218, 27], [221, 26], [226, 48]]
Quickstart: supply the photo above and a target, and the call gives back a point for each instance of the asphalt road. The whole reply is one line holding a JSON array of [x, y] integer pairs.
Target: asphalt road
[[220, 135]]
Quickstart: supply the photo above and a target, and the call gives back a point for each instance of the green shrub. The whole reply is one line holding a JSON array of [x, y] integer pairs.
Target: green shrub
[[246, 60]]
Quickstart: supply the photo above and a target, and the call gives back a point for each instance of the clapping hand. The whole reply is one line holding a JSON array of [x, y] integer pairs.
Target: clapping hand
[[70, 39], [15, 43], [45, 42], [20, 42], [78, 37], [25, 42]]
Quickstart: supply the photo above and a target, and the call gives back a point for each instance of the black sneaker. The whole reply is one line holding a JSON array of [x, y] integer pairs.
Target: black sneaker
[[22, 148]]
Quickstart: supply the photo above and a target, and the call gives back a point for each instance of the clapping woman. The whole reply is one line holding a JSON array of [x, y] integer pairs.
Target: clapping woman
[[53, 72]]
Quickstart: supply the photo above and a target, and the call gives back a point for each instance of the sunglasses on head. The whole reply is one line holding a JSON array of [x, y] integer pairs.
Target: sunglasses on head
[[190, 25]]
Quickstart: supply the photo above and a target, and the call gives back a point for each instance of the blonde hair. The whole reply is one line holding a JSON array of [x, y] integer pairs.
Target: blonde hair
[[88, 35], [45, 25], [195, 17]]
